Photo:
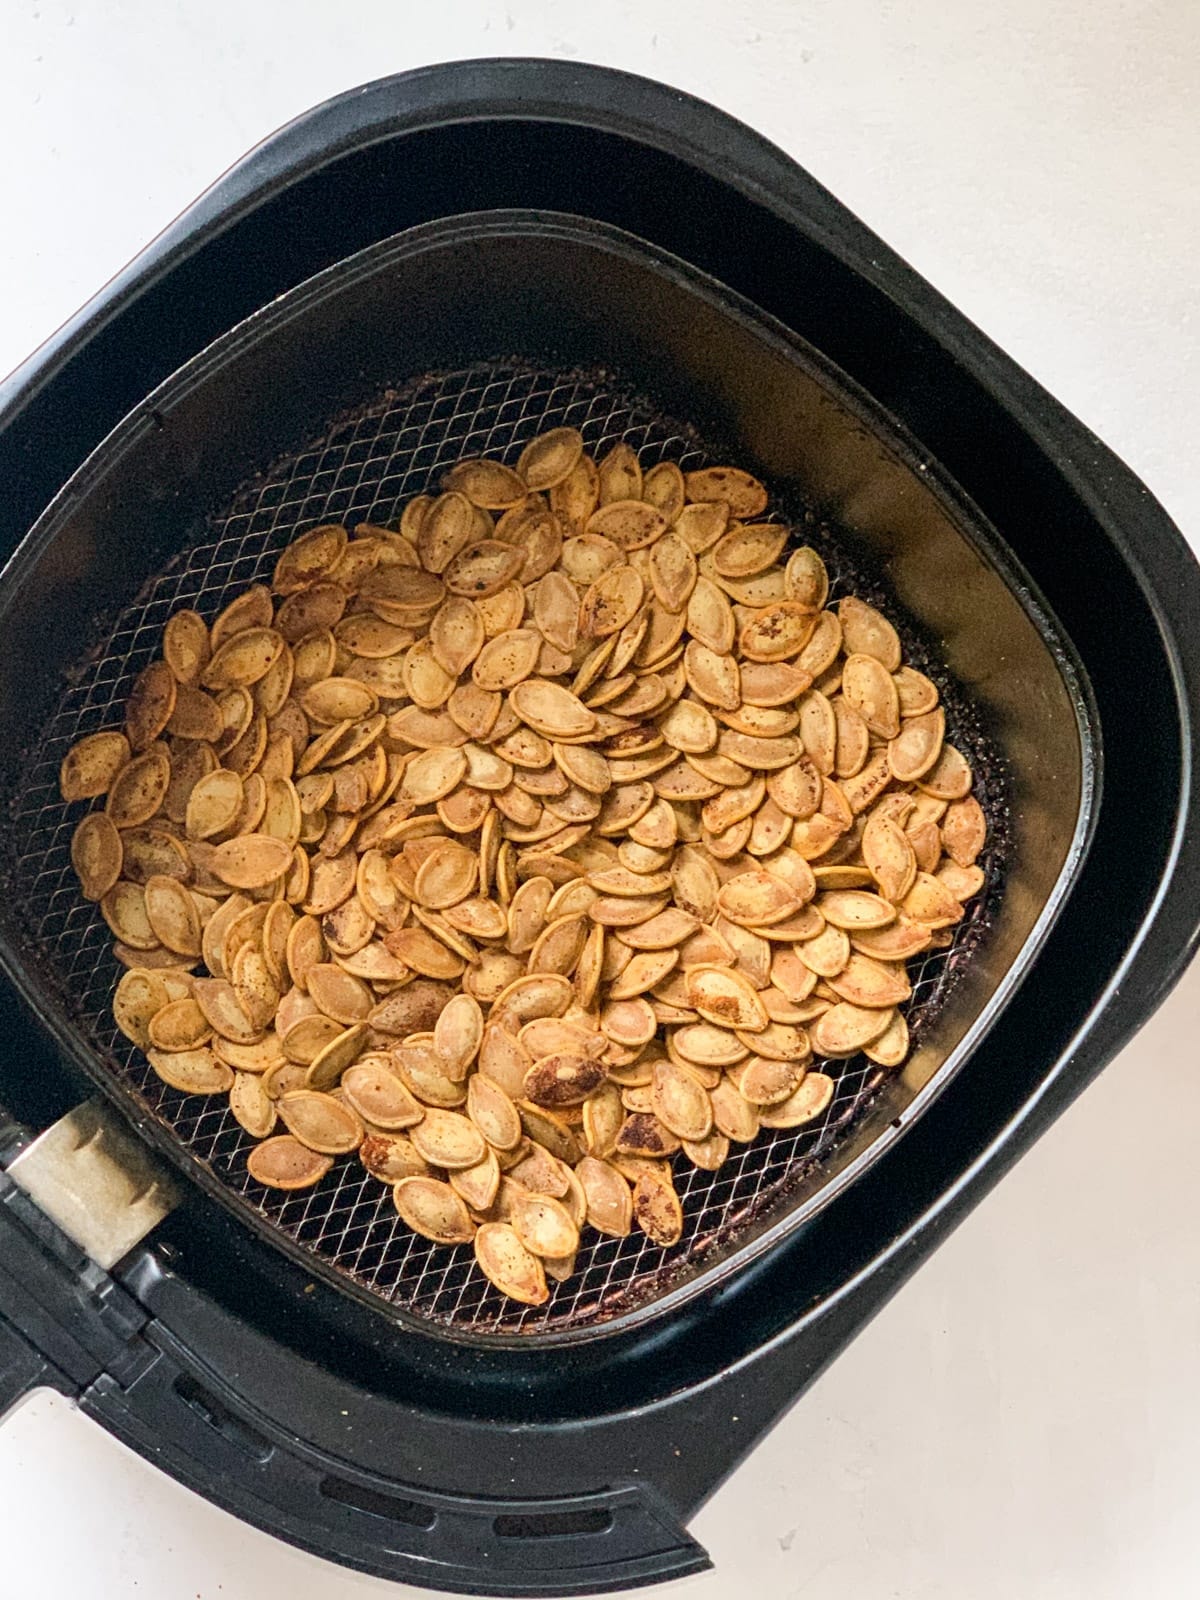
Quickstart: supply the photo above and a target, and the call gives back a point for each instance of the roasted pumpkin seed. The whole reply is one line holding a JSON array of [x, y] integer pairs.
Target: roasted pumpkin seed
[[656, 1208], [433, 1209], [506, 1262], [284, 1163]]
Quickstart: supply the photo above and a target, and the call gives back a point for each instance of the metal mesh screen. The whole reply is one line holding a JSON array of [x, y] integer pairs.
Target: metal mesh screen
[[362, 470]]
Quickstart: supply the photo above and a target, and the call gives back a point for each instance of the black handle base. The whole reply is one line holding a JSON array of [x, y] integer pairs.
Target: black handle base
[[616, 1537], [23, 1369]]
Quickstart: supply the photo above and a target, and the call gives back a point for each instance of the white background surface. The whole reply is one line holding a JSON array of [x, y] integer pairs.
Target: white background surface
[[1023, 1419]]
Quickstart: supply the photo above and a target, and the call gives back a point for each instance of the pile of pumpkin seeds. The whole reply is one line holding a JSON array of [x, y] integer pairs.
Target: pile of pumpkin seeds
[[527, 847]]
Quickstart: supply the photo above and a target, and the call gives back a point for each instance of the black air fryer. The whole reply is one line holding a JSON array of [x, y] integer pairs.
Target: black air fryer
[[445, 263]]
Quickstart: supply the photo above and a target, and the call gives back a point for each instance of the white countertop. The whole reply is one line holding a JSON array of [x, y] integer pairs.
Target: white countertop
[[1022, 1419]]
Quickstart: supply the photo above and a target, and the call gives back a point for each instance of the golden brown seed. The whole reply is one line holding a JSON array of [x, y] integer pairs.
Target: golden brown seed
[[962, 882], [223, 1010], [139, 996], [544, 1225], [917, 693], [724, 997], [195, 1071], [712, 676], [432, 774], [818, 731], [97, 855], [446, 876], [663, 487], [172, 914], [493, 1112], [138, 790], [607, 1196], [610, 602], [509, 1265], [889, 856], [150, 705], [964, 830], [252, 1106], [550, 458], [551, 710], [914, 751], [575, 497], [449, 1140], [826, 953], [845, 1029], [766, 1080], [619, 474], [746, 550], [483, 569], [776, 632], [656, 1208], [855, 909], [897, 942], [243, 659], [931, 902], [864, 981], [710, 617], [950, 777], [432, 1209], [214, 804], [486, 483], [756, 899], [702, 524], [562, 1080], [284, 1163], [820, 653], [733, 1115], [891, 1047], [680, 1102], [252, 861], [307, 558], [642, 1134], [186, 646], [329, 1126], [672, 571], [458, 1034], [806, 577], [742, 493], [124, 909], [804, 1104], [865, 630], [318, 607], [91, 765]]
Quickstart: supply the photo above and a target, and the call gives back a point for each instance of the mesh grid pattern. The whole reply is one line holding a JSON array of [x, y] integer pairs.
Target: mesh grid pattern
[[362, 471]]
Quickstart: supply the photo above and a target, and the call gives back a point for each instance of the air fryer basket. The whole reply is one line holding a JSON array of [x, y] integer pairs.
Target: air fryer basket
[[355, 392]]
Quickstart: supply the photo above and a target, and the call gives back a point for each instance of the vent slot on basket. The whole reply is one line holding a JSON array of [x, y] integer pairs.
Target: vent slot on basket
[[390, 1507], [221, 1420], [552, 1524]]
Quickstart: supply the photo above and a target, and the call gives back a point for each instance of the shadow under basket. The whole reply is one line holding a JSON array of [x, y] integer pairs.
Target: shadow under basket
[[304, 1359]]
